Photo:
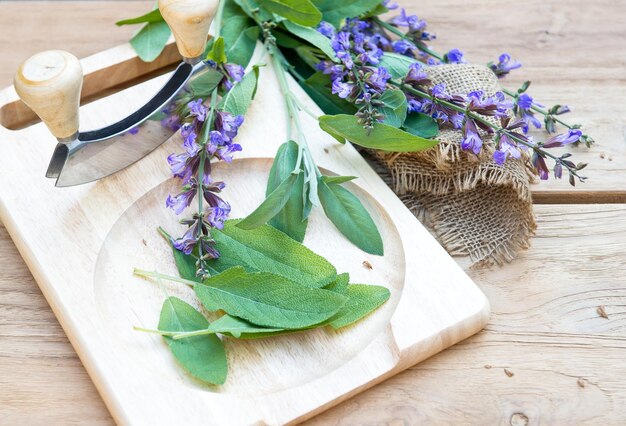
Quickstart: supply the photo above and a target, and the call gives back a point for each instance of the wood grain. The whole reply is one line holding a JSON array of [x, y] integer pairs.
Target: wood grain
[[574, 52]]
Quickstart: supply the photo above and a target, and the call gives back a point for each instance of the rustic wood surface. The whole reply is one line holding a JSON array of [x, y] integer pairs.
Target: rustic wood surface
[[547, 356]]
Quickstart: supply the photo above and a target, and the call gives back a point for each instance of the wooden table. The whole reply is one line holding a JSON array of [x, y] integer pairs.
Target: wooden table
[[547, 355]]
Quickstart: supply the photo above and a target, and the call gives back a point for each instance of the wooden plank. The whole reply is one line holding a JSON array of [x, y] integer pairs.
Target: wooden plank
[[544, 328]]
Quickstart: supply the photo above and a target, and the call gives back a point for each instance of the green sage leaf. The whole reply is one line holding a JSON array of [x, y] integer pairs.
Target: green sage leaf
[[312, 36], [395, 107], [290, 219], [362, 300], [335, 12], [203, 356], [301, 12], [266, 249], [240, 36], [340, 284], [152, 16], [382, 137], [338, 179], [397, 65], [350, 217], [218, 52], [203, 84], [234, 327], [422, 125], [150, 41], [267, 299], [239, 98], [272, 204]]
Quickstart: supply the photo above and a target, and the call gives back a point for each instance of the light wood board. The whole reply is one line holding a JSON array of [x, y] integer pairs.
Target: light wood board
[[584, 65], [82, 250]]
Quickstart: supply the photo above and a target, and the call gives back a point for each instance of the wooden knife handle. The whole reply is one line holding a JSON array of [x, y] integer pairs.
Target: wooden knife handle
[[49, 83], [189, 21]]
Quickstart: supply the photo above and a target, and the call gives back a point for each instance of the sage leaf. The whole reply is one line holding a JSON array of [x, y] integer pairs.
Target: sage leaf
[[152, 16], [239, 98], [205, 82], [290, 219], [350, 217], [203, 356], [240, 36], [382, 137], [266, 249], [335, 12], [362, 300], [340, 284], [268, 299], [217, 53], [234, 327], [301, 12], [272, 204], [394, 107], [338, 179], [253, 10], [422, 125], [312, 36], [150, 41], [397, 65]]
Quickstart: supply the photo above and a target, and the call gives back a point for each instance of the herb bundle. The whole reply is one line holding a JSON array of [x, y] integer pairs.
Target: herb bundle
[[267, 284], [368, 74]]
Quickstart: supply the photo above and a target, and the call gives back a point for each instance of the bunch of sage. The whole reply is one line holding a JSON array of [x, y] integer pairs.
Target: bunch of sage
[[266, 284]]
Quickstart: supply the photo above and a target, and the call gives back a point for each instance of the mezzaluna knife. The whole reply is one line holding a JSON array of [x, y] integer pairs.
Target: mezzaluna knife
[[50, 83]]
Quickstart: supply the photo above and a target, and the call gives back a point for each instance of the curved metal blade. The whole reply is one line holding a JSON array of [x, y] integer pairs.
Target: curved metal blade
[[100, 153]]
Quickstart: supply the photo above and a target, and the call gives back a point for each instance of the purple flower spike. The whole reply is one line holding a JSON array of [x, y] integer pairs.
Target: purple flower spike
[[377, 80], [341, 89], [573, 135], [504, 66], [326, 29], [471, 138], [197, 109], [235, 72], [454, 56]]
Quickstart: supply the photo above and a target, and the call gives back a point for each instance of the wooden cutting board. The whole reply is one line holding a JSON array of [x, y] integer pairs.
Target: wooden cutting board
[[81, 244]]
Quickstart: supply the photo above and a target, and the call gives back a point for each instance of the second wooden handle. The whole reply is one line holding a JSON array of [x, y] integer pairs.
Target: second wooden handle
[[50, 83], [190, 21]]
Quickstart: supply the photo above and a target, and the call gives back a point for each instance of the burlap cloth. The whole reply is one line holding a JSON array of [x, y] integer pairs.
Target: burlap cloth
[[475, 207]]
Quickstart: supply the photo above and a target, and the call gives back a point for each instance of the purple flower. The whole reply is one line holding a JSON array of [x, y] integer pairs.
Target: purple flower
[[326, 29], [226, 152], [134, 130], [228, 124], [499, 157], [454, 56], [413, 22], [181, 201], [522, 109], [558, 170], [197, 109], [540, 166], [188, 241], [504, 66], [389, 5], [235, 72], [416, 75], [341, 89], [377, 80], [471, 139], [404, 47], [573, 135]]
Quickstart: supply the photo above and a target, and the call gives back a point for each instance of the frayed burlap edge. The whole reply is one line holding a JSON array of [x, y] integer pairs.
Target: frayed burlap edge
[[474, 206]]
